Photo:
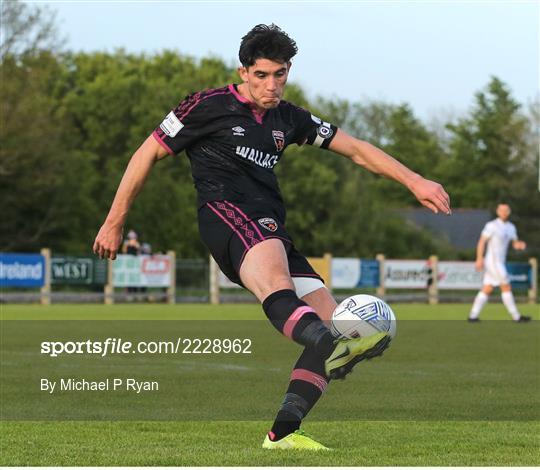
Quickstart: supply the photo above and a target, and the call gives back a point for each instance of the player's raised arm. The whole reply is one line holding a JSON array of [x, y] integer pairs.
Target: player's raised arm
[[109, 236], [429, 193]]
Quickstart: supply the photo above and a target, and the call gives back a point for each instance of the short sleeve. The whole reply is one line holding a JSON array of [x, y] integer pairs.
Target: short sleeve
[[184, 125], [513, 232], [312, 130], [488, 230]]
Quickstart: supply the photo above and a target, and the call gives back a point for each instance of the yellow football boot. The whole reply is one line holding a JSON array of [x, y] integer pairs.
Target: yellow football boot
[[298, 440], [349, 352]]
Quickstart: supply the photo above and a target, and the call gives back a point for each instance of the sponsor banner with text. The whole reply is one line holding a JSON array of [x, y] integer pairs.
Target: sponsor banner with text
[[458, 275], [462, 275], [353, 272], [142, 271], [22, 270], [72, 270], [407, 274]]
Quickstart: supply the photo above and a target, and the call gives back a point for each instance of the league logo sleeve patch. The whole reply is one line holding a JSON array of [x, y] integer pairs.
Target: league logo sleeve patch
[[268, 223], [321, 136], [171, 125], [279, 140], [325, 131]]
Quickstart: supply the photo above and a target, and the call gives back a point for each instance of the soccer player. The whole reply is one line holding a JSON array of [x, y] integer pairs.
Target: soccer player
[[234, 136], [497, 234]]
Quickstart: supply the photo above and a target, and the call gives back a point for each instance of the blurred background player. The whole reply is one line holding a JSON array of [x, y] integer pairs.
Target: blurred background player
[[497, 234]]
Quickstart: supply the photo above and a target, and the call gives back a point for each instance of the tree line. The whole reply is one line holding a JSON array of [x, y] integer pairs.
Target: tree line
[[70, 122]]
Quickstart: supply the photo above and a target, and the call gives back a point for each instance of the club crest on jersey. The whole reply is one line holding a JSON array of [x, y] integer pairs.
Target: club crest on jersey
[[279, 140], [268, 223]]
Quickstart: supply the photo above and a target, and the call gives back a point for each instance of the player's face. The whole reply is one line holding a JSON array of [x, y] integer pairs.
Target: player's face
[[503, 211], [265, 82]]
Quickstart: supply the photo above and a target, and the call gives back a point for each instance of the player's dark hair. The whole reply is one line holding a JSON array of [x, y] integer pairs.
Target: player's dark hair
[[266, 42]]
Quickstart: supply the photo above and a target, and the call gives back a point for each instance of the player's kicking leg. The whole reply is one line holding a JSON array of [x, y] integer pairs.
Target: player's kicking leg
[[316, 365]]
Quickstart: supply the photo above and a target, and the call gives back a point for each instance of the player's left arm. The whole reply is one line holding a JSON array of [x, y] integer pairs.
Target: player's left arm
[[518, 244], [429, 193]]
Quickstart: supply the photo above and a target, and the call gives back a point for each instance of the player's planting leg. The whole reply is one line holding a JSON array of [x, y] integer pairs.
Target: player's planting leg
[[307, 384]]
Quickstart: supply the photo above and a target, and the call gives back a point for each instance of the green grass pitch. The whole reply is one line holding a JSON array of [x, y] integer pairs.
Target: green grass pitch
[[446, 393]]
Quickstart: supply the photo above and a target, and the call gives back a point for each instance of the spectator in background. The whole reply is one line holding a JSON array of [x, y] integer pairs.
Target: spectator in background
[[131, 244]]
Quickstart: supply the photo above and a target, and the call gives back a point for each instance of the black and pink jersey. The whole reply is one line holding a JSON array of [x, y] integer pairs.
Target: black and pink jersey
[[233, 149]]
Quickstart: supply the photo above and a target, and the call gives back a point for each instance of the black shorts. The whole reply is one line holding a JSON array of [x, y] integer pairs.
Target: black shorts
[[229, 231]]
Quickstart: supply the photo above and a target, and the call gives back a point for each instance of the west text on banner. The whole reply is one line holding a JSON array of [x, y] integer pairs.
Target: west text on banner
[[72, 270], [22, 270]]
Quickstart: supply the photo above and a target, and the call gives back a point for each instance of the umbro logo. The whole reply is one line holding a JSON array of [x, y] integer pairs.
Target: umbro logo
[[238, 131]]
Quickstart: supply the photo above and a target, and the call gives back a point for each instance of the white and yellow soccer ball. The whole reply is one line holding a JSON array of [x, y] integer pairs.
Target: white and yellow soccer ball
[[361, 316]]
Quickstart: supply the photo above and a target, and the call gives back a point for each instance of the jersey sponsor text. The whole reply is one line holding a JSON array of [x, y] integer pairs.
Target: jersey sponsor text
[[261, 159]]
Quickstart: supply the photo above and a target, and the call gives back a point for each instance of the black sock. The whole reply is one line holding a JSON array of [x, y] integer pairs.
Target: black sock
[[308, 381], [296, 320]]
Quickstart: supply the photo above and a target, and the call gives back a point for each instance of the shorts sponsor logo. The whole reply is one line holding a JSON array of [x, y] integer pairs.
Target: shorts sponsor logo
[[268, 223], [238, 131], [325, 132], [279, 140], [171, 125]]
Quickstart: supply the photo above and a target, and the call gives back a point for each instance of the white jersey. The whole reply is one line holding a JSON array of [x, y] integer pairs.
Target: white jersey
[[499, 235]]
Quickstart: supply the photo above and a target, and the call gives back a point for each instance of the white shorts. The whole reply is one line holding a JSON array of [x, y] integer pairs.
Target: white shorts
[[495, 274]]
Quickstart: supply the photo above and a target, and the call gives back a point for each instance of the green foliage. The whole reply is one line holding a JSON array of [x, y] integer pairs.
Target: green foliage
[[70, 123], [487, 149], [45, 182]]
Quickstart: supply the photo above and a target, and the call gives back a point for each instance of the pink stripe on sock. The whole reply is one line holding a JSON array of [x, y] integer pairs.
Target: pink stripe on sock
[[293, 320], [229, 224], [311, 377]]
